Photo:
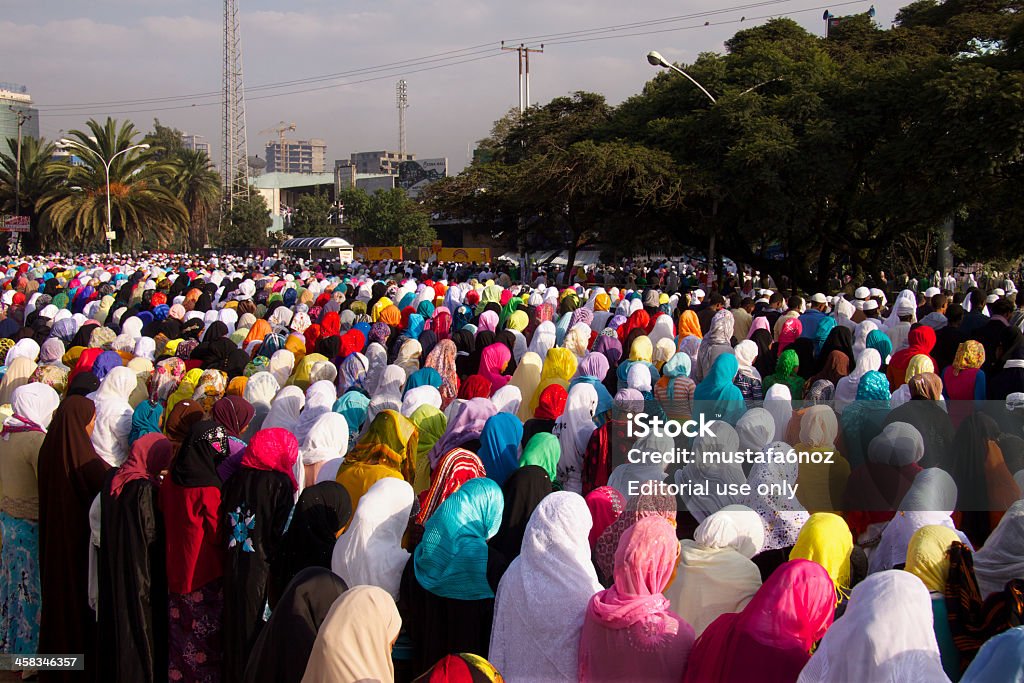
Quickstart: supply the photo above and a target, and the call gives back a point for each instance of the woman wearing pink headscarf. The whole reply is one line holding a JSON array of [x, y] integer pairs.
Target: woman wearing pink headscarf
[[629, 632], [771, 639], [493, 361], [791, 330]]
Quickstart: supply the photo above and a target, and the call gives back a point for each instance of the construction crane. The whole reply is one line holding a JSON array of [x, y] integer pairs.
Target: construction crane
[[281, 128]]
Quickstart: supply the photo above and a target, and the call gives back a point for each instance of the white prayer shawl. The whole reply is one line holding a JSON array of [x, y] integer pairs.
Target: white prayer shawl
[[778, 401], [113, 415], [508, 399], [846, 389], [284, 411], [36, 402], [573, 429], [1002, 557], [543, 339], [281, 365], [860, 336], [755, 430], [370, 551], [662, 330], [377, 358], [705, 468], [542, 599], [783, 517], [327, 439], [420, 396], [320, 398], [886, 634], [715, 574]]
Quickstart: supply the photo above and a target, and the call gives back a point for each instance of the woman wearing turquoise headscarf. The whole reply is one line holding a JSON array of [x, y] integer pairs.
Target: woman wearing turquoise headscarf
[[145, 420], [426, 309], [821, 334], [449, 598], [415, 327], [879, 341], [716, 396], [406, 300], [499, 446], [353, 406], [674, 391], [864, 419], [423, 377]]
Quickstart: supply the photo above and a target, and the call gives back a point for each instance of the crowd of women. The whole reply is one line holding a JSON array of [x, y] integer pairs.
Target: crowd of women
[[225, 474]]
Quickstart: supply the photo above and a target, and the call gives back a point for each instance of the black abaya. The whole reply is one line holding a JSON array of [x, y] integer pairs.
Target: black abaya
[[254, 511]]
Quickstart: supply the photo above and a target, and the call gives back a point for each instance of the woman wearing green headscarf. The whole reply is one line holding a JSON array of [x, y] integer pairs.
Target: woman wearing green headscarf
[[543, 451], [431, 422], [786, 373]]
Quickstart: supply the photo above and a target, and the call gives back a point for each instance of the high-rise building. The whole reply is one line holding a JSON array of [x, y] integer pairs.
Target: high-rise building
[[16, 96], [384, 162], [297, 156], [196, 143]]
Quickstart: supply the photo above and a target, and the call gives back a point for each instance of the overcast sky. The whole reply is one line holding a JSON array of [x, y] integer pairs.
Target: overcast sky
[[102, 51]]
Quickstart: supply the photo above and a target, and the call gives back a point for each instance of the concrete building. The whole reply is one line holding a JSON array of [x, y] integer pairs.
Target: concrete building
[[385, 162], [13, 95], [297, 156], [195, 143]]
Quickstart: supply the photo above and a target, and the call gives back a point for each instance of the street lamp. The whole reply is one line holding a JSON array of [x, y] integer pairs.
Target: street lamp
[[106, 168], [655, 59]]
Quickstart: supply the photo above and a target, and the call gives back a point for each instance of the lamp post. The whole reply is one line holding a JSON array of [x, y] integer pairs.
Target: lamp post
[[106, 168], [654, 58]]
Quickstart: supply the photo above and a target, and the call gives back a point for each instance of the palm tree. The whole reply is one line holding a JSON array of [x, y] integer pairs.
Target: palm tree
[[144, 208], [36, 157], [197, 185]]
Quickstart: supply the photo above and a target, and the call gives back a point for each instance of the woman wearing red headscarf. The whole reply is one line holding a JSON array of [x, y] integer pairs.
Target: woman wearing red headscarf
[[549, 408]]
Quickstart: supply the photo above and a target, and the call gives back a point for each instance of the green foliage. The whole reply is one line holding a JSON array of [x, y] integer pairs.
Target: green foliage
[[145, 212], [165, 141], [847, 152], [387, 217], [35, 161], [197, 184], [311, 215], [247, 223]]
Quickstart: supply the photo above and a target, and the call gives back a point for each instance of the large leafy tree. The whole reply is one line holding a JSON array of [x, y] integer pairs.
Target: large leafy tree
[[386, 217], [312, 215], [36, 158], [247, 224], [197, 184], [144, 208]]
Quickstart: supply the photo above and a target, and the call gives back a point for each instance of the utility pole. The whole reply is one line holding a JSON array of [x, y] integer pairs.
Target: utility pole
[[22, 118], [402, 100], [524, 71]]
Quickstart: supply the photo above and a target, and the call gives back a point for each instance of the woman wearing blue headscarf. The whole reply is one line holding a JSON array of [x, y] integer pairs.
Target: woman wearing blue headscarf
[[499, 446], [415, 326], [353, 406], [145, 420], [864, 419], [423, 377], [716, 396], [449, 598]]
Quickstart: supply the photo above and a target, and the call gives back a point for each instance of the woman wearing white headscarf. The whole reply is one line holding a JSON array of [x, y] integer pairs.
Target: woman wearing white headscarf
[[327, 440], [259, 392], [320, 398], [281, 365], [778, 401], [639, 378], [662, 329], [1002, 557], [388, 395], [715, 574], [543, 339], [573, 429], [507, 399], [114, 412], [782, 515], [755, 430], [542, 598], [886, 634], [425, 395], [860, 336], [408, 357], [377, 361], [370, 551], [285, 409], [846, 389], [145, 347], [354, 641], [709, 467], [52, 353], [930, 501], [717, 341], [24, 348]]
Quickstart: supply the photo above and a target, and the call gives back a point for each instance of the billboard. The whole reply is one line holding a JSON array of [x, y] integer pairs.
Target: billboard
[[461, 254], [9, 223], [413, 176], [378, 253]]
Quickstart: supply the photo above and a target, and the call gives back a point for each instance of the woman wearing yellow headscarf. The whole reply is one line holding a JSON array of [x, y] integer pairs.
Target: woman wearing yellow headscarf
[[296, 343], [387, 449], [642, 350], [919, 365], [300, 376], [431, 422], [689, 326], [559, 367], [928, 560], [378, 307], [517, 321], [526, 378], [821, 485], [826, 539], [185, 389], [602, 302]]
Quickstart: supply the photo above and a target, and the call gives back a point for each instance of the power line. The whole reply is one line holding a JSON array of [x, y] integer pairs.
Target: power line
[[439, 60]]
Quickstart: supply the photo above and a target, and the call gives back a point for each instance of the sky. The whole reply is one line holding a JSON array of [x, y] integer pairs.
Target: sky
[[102, 55]]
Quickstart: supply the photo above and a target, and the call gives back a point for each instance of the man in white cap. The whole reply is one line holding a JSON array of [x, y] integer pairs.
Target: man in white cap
[[815, 313]]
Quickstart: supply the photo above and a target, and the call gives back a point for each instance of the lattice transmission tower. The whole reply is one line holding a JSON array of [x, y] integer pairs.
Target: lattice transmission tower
[[234, 148]]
